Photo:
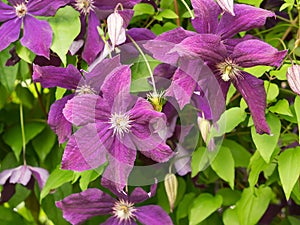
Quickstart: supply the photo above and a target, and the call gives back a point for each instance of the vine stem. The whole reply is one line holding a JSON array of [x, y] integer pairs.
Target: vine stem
[[23, 133], [147, 63], [177, 12]]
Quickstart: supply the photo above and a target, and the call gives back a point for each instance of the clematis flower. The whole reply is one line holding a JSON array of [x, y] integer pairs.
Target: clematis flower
[[226, 5], [80, 207], [37, 34], [24, 175], [113, 127], [72, 79], [293, 78]]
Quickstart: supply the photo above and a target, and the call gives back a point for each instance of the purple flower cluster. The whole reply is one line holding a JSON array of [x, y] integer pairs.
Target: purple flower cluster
[[101, 121]]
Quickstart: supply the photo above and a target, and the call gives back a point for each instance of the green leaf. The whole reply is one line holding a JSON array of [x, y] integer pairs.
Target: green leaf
[[56, 179], [256, 166], [289, 169], [264, 143], [59, 93], [297, 110], [252, 2], [184, 206], [13, 135], [230, 217], [240, 155], [66, 26], [167, 13], [201, 159], [253, 204], [203, 206], [9, 217], [24, 96], [281, 73], [281, 107], [24, 53], [8, 74], [294, 220], [4, 96], [258, 71], [44, 142], [226, 172], [143, 8], [230, 93], [272, 91], [230, 197], [90, 175], [158, 29]]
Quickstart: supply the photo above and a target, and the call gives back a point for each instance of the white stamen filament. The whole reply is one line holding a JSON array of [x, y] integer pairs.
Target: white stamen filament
[[85, 89], [120, 123], [124, 210], [229, 70], [84, 6], [21, 10]]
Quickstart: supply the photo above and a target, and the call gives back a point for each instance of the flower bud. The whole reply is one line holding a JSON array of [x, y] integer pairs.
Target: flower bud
[[204, 127], [116, 31], [293, 78], [226, 5], [171, 186]]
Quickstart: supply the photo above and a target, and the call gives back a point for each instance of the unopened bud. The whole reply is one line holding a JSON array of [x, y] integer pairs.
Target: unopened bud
[[204, 126], [116, 31], [171, 186], [293, 78], [226, 5]]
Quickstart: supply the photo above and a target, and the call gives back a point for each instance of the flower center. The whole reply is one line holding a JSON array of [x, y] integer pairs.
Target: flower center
[[123, 210], [85, 89], [120, 123], [21, 10], [84, 6], [229, 70]]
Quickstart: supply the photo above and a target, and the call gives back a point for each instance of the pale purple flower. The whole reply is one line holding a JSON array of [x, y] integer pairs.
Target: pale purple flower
[[37, 34], [24, 175], [80, 207], [293, 78], [113, 127], [226, 5]]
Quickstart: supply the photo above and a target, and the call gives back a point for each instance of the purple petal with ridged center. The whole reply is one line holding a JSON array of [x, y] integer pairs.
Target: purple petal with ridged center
[[37, 36], [116, 221], [20, 175], [116, 88], [293, 78], [44, 7], [140, 195], [121, 160], [246, 17], [111, 4], [152, 214], [56, 120], [232, 42], [140, 34], [93, 43], [82, 206], [85, 149], [7, 12], [9, 32], [41, 175], [206, 16], [175, 36], [110, 185], [253, 91], [255, 52], [206, 46], [51, 76]]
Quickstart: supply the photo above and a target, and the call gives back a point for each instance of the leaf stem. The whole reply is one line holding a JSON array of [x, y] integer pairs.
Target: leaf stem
[[23, 133]]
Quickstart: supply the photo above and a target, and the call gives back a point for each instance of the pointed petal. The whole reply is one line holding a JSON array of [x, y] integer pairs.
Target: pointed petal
[[44, 7], [140, 34], [206, 16], [246, 17], [255, 52], [82, 206], [116, 221], [56, 120], [41, 175], [9, 32], [227, 6], [85, 149], [37, 36], [4, 175], [152, 214], [6, 12], [20, 175], [115, 28], [293, 78], [51, 76], [140, 195], [93, 43], [253, 91]]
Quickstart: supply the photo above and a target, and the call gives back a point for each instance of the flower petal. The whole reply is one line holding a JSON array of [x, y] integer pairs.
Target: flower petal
[[140, 195], [116, 31], [255, 52], [85, 149], [93, 43], [293, 78], [20, 175], [6, 12], [51, 76], [226, 5], [37, 36], [9, 32], [44, 7], [116, 221], [206, 16], [41, 175], [253, 91], [152, 214], [183, 160], [82, 206], [246, 17], [57, 121]]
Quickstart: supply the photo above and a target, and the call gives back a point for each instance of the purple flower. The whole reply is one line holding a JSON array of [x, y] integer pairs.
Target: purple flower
[[70, 78], [37, 34], [80, 207], [24, 175], [112, 127]]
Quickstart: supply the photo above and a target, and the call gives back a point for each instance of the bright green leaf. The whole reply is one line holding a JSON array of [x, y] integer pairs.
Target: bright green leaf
[[252, 2], [203, 206], [143, 8], [24, 53], [272, 91], [226, 172], [9, 217], [281, 107], [289, 169], [184, 206], [169, 14], [230, 217], [281, 73], [256, 166], [66, 26], [90, 175], [253, 204], [59, 93], [230, 197], [297, 110], [265, 143], [230, 93], [201, 159], [258, 71]]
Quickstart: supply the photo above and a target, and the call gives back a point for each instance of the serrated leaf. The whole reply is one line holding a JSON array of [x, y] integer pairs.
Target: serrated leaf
[[265, 143], [224, 171], [65, 26], [281, 107], [253, 204], [203, 206], [297, 111], [289, 169], [56, 179]]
